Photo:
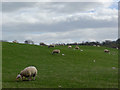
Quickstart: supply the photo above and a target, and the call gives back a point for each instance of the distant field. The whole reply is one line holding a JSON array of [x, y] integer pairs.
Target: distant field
[[75, 69]]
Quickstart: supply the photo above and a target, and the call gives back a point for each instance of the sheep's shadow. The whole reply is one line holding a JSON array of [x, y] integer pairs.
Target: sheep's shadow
[[25, 80]]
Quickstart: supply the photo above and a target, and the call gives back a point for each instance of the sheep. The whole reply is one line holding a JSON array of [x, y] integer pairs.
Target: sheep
[[106, 50], [69, 46], [98, 45], [93, 60], [15, 41], [28, 72], [113, 67], [94, 45], [51, 46], [77, 47], [56, 51], [81, 50]]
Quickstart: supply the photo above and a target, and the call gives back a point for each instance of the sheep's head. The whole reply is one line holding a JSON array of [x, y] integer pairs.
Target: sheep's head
[[18, 76]]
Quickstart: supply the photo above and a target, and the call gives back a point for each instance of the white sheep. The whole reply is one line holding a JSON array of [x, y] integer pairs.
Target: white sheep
[[56, 51], [81, 50], [69, 46], [106, 50], [94, 45], [15, 41], [77, 47], [51, 46], [113, 67], [28, 72], [98, 45]]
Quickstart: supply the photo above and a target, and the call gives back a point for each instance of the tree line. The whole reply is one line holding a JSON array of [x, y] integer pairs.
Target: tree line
[[107, 43]]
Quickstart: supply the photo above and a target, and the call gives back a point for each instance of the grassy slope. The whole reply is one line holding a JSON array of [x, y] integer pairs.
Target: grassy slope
[[74, 70]]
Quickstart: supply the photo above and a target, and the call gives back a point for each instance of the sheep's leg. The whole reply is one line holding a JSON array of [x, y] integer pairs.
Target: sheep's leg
[[33, 78], [22, 78], [30, 78]]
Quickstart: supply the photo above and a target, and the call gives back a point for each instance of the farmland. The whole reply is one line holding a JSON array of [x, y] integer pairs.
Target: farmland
[[76, 69]]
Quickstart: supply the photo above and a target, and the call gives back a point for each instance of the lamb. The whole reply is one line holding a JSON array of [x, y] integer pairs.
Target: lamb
[[28, 72], [56, 51], [106, 50], [77, 47], [51, 46], [69, 46]]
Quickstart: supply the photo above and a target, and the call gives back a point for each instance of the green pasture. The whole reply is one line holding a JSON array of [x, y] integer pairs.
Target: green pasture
[[74, 69]]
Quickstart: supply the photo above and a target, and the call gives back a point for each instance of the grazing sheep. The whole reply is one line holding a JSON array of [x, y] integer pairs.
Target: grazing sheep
[[81, 50], [113, 67], [69, 46], [94, 45], [42, 44], [51, 46], [77, 47], [56, 51], [98, 45], [15, 41], [28, 72], [106, 50]]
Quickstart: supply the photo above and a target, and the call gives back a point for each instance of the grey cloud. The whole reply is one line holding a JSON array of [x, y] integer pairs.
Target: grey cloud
[[0, 7], [59, 7], [69, 25], [82, 29], [15, 6], [69, 36], [72, 7]]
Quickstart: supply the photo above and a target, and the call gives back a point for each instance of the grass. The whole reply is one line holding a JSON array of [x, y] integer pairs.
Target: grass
[[75, 69]]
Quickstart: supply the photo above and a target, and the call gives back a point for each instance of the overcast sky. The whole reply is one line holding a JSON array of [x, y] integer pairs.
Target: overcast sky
[[59, 22]]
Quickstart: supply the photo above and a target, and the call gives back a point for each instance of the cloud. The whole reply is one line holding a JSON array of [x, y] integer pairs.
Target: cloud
[[59, 21], [61, 24], [15, 6], [61, 1], [59, 7], [68, 36], [48, 13]]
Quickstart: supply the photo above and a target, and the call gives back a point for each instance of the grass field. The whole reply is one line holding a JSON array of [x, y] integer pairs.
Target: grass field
[[75, 69]]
